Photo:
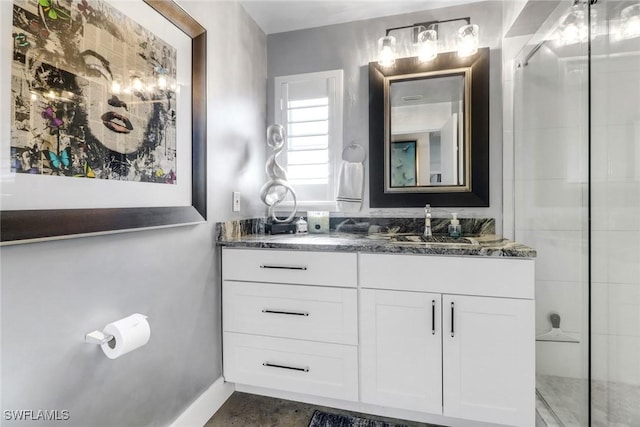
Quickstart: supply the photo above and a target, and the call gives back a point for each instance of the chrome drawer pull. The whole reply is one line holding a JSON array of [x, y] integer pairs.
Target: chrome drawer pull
[[433, 317], [284, 267], [452, 319], [293, 368], [291, 313]]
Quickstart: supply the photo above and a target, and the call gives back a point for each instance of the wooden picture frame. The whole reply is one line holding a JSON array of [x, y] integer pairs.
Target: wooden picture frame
[[21, 226]]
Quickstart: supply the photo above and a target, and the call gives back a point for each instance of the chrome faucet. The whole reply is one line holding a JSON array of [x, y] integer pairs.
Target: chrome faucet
[[427, 221]]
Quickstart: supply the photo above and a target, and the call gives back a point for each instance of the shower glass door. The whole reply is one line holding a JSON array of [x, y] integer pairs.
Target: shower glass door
[[551, 148], [577, 201], [615, 213]]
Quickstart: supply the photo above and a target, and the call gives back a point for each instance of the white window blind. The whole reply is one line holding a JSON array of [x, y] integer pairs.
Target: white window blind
[[309, 106]]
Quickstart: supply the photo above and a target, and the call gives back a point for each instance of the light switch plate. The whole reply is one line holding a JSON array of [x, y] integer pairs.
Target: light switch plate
[[236, 201]]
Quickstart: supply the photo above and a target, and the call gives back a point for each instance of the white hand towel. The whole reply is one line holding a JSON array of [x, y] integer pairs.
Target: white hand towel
[[350, 186]]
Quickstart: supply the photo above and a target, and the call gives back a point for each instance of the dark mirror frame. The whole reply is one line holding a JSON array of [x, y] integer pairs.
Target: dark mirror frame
[[34, 225], [479, 125]]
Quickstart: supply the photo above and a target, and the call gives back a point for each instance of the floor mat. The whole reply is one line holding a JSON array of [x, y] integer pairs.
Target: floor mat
[[325, 419]]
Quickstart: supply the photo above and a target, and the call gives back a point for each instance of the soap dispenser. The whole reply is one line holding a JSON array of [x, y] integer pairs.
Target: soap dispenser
[[455, 230]]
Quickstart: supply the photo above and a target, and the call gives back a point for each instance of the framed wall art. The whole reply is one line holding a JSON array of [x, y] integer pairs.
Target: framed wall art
[[403, 164], [106, 118]]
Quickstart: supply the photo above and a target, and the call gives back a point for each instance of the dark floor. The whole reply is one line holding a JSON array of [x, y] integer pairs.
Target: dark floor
[[250, 410]]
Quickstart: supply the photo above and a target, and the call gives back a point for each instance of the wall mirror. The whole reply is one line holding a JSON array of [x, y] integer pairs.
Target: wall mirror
[[429, 132]]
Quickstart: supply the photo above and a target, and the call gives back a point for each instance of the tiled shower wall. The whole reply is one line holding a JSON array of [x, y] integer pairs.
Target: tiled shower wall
[[551, 198]]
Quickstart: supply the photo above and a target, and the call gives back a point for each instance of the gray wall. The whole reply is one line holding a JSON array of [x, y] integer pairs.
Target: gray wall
[[353, 45], [53, 293]]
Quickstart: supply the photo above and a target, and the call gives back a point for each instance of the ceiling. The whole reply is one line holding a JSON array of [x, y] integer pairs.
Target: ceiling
[[277, 16]]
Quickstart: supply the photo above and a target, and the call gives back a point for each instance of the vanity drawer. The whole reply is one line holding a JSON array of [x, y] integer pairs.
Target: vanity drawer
[[314, 313], [482, 276], [320, 369], [298, 267]]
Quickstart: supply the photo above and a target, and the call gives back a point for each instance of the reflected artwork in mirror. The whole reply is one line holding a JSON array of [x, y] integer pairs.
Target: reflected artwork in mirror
[[403, 171], [429, 132]]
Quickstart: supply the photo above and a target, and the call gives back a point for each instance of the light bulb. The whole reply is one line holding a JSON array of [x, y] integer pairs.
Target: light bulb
[[162, 82], [572, 33], [428, 45], [575, 28], [467, 40], [387, 51], [115, 87]]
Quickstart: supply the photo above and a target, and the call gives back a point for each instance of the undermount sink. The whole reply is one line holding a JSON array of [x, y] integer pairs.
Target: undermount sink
[[419, 239]]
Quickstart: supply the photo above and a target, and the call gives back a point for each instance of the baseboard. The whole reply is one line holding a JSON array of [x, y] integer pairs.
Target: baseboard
[[203, 408]]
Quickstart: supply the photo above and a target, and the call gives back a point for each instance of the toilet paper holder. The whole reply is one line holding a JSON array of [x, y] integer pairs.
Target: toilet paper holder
[[97, 337], [100, 337]]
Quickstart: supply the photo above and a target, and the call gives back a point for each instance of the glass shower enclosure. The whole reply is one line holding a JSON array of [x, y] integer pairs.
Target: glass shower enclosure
[[576, 192]]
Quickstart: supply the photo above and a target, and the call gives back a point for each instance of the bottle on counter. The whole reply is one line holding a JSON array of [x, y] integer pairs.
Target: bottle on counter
[[455, 229], [301, 226]]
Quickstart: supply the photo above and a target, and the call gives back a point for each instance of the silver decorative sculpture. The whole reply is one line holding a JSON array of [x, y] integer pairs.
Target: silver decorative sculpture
[[274, 191]]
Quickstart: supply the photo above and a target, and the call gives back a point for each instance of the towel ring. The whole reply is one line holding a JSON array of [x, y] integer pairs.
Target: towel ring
[[354, 153]]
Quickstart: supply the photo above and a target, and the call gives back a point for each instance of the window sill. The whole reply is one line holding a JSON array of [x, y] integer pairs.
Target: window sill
[[308, 206]]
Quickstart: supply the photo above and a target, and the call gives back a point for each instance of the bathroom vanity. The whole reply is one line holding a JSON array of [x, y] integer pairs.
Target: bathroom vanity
[[442, 333]]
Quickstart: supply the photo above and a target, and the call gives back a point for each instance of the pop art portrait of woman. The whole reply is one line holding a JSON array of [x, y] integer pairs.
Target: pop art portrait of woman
[[93, 94]]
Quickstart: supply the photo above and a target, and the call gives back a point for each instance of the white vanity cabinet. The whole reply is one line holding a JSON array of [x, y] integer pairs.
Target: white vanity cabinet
[[428, 337], [449, 335], [290, 321]]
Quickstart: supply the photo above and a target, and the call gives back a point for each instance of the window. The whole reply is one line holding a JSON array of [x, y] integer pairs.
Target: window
[[309, 106]]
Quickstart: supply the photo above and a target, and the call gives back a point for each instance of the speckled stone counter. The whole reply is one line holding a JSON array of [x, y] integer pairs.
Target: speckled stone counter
[[250, 234]]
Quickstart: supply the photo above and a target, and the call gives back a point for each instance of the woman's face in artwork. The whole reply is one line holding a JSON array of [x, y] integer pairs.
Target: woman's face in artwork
[[124, 106]]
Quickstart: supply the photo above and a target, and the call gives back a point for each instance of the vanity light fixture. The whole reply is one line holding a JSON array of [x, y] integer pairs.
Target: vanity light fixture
[[426, 39], [137, 84], [630, 18], [574, 27]]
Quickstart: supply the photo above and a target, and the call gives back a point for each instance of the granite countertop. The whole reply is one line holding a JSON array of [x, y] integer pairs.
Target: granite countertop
[[378, 242]]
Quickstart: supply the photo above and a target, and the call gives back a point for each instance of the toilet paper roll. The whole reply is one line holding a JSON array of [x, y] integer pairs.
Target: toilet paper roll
[[128, 334]]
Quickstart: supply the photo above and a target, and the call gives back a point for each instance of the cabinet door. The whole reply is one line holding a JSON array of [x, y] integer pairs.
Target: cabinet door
[[401, 350], [488, 359]]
